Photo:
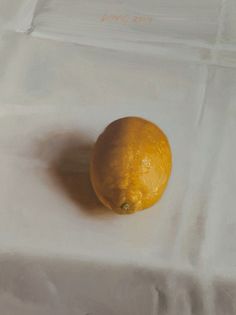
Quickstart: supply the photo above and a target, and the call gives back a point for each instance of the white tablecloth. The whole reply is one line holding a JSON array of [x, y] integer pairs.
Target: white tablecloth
[[67, 69]]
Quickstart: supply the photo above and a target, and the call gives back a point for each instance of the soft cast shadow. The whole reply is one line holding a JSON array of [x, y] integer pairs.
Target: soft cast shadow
[[69, 169]]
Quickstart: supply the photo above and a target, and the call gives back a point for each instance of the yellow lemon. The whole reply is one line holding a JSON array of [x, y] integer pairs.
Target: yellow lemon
[[131, 164]]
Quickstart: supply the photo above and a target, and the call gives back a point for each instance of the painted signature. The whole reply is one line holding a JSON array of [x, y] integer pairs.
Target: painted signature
[[126, 19]]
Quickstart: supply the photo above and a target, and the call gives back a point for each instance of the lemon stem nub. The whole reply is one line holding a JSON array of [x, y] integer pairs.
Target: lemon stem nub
[[125, 206]]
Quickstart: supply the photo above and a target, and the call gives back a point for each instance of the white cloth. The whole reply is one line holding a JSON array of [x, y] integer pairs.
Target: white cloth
[[67, 69]]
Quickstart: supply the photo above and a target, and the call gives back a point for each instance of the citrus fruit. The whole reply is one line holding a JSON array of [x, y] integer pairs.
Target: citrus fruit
[[131, 164]]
